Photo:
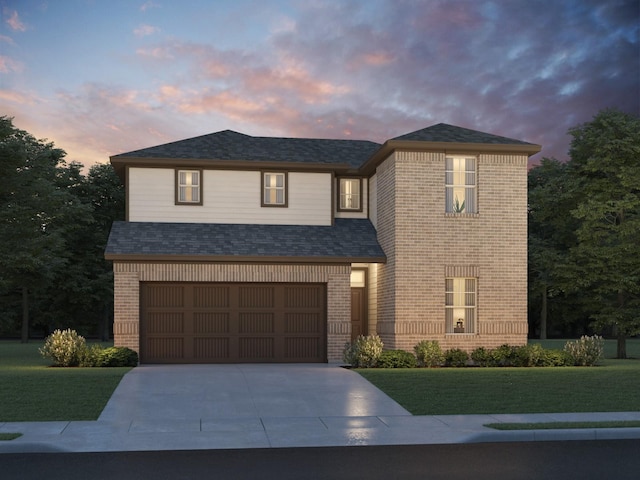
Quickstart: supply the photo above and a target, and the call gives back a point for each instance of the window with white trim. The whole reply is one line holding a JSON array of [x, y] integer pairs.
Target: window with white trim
[[460, 305], [274, 189], [188, 187], [349, 194], [460, 184]]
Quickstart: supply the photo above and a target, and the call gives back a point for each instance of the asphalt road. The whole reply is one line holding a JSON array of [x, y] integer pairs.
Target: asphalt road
[[610, 459]]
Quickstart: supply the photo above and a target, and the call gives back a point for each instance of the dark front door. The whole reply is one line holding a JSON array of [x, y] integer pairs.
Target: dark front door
[[358, 312]]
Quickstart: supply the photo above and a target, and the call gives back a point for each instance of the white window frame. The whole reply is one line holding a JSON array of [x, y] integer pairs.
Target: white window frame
[[188, 187], [461, 174], [274, 192], [461, 300], [350, 194]]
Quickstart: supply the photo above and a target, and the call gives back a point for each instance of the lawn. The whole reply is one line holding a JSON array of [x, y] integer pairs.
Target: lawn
[[611, 387], [34, 391]]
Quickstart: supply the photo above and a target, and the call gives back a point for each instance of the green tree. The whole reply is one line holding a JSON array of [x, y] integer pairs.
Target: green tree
[[34, 211], [551, 235], [605, 262]]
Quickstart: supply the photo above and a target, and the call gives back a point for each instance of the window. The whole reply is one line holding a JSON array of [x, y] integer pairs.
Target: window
[[460, 185], [274, 189], [349, 194], [460, 305], [188, 187]]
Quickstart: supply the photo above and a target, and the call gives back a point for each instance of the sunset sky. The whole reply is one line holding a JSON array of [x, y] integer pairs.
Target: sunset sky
[[101, 77]]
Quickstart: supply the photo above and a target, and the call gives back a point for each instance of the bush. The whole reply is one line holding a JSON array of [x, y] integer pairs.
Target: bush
[[429, 353], [556, 358], [396, 359], [455, 358], [585, 352], [117, 357], [482, 357], [505, 356], [90, 356], [364, 352], [65, 348]]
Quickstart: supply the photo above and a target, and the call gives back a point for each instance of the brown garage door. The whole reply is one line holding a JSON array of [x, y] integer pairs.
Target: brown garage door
[[232, 322]]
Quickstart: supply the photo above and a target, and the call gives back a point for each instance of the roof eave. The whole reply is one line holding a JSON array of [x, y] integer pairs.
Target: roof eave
[[159, 258], [369, 167]]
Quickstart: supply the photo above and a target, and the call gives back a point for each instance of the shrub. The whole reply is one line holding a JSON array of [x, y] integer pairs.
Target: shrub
[[65, 348], [482, 357], [117, 357], [556, 358], [585, 352], [90, 356], [397, 359], [364, 352], [529, 356], [429, 353], [505, 356], [455, 358]]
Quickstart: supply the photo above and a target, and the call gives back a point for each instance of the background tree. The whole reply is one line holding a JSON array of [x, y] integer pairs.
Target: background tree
[[605, 181], [551, 235]]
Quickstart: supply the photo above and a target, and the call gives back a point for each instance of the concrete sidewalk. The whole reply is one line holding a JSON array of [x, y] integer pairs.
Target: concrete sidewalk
[[172, 407]]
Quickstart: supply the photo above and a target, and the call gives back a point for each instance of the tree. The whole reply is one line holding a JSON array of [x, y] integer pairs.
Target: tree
[[550, 236], [34, 209], [605, 262]]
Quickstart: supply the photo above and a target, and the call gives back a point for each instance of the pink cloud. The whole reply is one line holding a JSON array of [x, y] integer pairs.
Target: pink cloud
[[147, 5], [145, 30], [17, 97], [14, 21], [9, 65]]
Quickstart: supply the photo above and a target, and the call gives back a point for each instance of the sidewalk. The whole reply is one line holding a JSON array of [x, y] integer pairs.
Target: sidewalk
[[279, 432]]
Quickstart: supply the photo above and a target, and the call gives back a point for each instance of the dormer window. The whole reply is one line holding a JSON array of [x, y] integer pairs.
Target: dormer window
[[189, 187], [350, 194], [274, 189]]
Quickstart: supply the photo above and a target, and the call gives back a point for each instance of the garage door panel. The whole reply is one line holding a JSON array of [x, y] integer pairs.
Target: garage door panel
[[165, 322], [229, 323], [204, 323], [208, 348]]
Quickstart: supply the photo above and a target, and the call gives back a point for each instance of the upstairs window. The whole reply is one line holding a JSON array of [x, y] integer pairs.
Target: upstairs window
[[460, 305], [460, 185], [188, 187], [350, 194], [274, 189]]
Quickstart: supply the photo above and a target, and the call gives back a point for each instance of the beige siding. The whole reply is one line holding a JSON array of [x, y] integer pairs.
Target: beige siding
[[373, 200], [228, 197], [424, 245]]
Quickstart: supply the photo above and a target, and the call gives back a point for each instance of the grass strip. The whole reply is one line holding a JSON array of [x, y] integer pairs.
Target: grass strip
[[564, 425], [9, 436]]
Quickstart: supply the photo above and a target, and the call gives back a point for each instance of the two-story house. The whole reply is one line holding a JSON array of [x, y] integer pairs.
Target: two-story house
[[256, 249]]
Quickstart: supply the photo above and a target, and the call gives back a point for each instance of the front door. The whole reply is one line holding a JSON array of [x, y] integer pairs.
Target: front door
[[359, 320]]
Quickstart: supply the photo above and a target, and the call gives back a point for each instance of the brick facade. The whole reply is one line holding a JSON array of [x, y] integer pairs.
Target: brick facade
[[424, 245], [127, 278]]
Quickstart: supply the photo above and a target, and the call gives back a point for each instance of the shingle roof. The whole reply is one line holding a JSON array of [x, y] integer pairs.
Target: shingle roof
[[443, 132], [230, 145], [347, 239]]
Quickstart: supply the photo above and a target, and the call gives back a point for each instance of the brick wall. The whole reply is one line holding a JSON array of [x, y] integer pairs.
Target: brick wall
[[127, 278], [424, 245]]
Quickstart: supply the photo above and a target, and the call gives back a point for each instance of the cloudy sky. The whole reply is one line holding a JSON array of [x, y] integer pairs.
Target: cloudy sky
[[102, 77]]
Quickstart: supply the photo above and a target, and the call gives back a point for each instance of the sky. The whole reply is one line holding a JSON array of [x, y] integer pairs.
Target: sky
[[102, 77]]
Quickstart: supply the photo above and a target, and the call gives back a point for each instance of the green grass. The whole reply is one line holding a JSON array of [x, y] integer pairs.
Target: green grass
[[9, 436], [34, 391], [612, 386], [563, 425]]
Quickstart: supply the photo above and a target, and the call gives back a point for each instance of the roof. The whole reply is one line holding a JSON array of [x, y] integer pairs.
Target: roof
[[443, 132], [348, 240], [230, 145]]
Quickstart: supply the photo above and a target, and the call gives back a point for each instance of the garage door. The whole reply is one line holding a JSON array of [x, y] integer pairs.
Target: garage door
[[232, 322]]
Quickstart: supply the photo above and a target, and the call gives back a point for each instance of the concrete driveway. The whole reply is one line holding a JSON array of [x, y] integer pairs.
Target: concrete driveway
[[161, 393]]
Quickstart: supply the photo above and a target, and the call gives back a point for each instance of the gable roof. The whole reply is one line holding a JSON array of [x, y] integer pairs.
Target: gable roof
[[348, 240]]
